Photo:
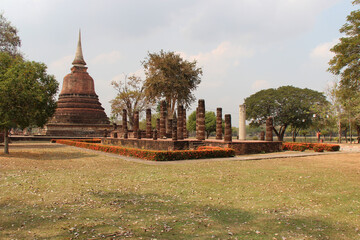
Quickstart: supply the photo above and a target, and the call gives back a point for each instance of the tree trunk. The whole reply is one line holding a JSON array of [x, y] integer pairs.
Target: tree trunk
[[346, 139], [358, 133], [294, 136], [6, 141], [280, 134], [350, 133]]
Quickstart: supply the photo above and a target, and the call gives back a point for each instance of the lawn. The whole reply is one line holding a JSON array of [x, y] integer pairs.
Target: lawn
[[60, 192]]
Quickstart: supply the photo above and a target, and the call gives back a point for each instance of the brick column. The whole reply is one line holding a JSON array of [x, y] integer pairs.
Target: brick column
[[124, 124], [157, 127], [186, 133], [228, 131], [155, 134], [148, 123], [168, 127], [219, 123], [197, 123], [201, 122], [262, 136], [163, 119], [136, 124], [174, 128], [269, 129], [180, 123]]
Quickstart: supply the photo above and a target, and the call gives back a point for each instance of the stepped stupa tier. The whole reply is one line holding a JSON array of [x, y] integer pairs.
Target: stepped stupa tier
[[79, 112]]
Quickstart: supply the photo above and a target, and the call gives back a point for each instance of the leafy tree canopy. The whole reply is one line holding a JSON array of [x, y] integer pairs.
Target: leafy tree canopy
[[346, 64], [27, 93], [130, 96], [169, 77], [288, 105], [346, 61], [9, 40], [210, 122]]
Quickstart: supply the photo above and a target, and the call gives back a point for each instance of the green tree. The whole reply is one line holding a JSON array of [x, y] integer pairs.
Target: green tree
[[288, 105], [210, 122], [169, 77], [9, 40], [130, 96], [27, 94], [346, 64]]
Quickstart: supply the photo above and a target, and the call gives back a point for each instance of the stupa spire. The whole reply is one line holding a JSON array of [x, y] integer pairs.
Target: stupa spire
[[79, 59]]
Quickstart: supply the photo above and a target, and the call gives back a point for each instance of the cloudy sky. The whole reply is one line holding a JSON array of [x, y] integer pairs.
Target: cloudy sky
[[243, 46]]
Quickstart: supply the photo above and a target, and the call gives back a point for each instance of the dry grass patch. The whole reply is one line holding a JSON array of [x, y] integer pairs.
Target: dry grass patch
[[63, 192]]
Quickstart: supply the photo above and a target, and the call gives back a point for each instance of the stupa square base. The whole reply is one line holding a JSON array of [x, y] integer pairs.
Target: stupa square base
[[240, 147], [77, 130]]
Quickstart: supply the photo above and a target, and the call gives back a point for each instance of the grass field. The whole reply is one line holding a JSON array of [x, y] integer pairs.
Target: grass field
[[59, 192]]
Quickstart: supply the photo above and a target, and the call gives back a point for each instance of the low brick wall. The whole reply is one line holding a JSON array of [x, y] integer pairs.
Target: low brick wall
[[149, 144], [248, 147], [240, 147]]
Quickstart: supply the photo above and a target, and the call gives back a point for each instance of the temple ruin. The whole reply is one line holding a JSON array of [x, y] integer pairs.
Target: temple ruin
[[170, 133], [79, 112]]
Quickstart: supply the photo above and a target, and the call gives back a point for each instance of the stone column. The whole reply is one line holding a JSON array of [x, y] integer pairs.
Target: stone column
[[228, 131], [157, 127], [174, 128], [219, 123], [201, 122], [155, 134], [168, 127], [186, 133], [163, 119], [136, 124], [148, 123], [262, 136], [242, 122], [124, 124], [180, 123], [197, 123], [269, 129]]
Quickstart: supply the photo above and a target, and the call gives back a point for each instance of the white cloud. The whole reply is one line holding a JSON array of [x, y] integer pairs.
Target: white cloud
[[61, 67], [252, 21], [322, 51], [260, 84], [107, 58], [217, 61]]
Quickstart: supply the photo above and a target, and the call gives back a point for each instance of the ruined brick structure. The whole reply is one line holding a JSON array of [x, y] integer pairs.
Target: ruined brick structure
[[201, 120], [158, 139], [219, 123], [79, 112], [269, 129]]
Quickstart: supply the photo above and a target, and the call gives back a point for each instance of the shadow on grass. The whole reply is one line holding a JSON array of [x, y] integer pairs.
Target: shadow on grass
[[47, 156], [117, 215]]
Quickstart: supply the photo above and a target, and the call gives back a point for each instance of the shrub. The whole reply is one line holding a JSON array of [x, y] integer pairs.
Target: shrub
[[317, 147], [202, 152], [92, 140]]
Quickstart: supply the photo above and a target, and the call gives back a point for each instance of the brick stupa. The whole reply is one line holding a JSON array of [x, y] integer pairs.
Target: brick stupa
[[79, 112]]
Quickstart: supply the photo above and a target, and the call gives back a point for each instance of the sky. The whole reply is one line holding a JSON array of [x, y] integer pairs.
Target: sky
[[243, 46]]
